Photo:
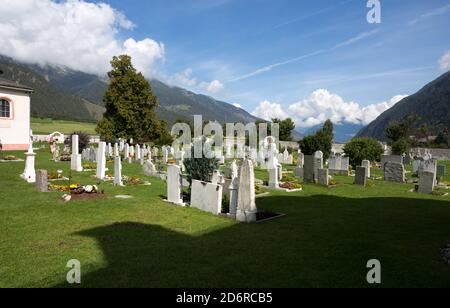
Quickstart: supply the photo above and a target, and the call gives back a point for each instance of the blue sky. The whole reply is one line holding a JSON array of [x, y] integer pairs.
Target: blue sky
[[229, 39], [268, 56]]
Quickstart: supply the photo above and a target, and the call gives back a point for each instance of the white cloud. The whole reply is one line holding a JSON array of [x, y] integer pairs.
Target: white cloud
[[322, 105], [371, 112], [444, 62], [74, 33], [183, 79], [215, 86], [267, 111], [237, 106]]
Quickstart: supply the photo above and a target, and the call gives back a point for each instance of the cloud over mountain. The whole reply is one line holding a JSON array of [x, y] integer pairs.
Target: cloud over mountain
[[322, 105], [80, 35]]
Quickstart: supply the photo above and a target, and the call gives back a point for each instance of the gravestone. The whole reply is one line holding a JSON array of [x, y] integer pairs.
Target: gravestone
[[366, 164], [361, 176], [334, 163], [345, 163], [42, 180], [440, 171], [299, 172], [165, 155], [101, 161], [323, 177], [318, 164], [174, 185], [233, 188], [274, 178], [149, 169], [93, 155], [407, 160], [300, 159], [116, 150], [415, 166], [118, 171], [426, 182], [246, 209], [206, 197], [429, 165], [75, 163], [391, 159], [308, 169], [126, 151], [217, 178], [394, 172], [132, 153], [138, 153]]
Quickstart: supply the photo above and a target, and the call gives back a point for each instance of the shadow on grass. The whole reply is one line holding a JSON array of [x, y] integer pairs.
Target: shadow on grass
[[325, 241]]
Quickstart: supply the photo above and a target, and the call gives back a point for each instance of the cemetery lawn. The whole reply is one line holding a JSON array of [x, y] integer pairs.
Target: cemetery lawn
[[325, 240], [48, 126]]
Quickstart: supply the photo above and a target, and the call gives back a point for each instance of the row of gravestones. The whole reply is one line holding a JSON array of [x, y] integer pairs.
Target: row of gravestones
[[208, 196], [426, 168]]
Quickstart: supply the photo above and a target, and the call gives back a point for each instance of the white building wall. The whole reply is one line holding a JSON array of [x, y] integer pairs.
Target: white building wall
[[15, 132]]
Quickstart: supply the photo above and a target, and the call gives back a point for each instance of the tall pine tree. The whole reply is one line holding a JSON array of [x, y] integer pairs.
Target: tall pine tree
[[130, 105]]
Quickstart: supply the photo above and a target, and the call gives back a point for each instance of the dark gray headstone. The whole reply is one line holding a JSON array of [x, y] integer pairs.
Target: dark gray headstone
[[361, 178], [394, 172], [323, 177], [308, 169], [440, 171]]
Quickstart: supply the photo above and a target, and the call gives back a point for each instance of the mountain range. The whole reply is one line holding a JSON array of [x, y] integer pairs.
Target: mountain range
[[62, 93], [431, 104]]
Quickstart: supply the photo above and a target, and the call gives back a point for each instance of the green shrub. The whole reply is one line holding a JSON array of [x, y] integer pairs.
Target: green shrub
[[359, 149], [200, 169]]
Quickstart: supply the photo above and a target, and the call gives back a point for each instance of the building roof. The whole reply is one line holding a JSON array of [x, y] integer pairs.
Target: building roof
[[8, 84]]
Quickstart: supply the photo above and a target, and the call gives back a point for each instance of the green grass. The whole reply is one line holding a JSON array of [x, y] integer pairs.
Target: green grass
[[325, 240], [48, 126]]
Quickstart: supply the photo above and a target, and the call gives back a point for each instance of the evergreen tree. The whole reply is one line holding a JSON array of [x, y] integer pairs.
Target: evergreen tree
[[130, 105]]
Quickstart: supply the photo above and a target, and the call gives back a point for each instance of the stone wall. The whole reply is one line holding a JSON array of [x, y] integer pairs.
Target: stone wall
[[440, 154]]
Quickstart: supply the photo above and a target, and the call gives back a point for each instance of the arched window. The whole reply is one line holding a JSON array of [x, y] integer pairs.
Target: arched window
[[5, 109]]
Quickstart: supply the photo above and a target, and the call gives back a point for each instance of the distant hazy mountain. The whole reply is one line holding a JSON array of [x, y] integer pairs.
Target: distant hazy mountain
[[343, 132], [431, 104], [175, 103]]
